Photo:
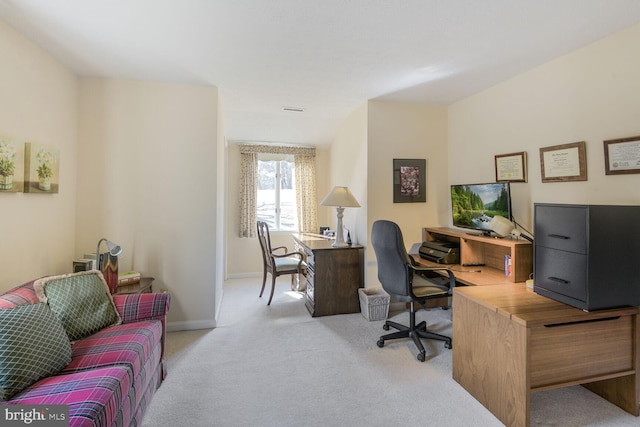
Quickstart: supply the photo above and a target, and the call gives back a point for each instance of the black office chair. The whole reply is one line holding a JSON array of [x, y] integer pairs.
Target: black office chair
[[396, 272]]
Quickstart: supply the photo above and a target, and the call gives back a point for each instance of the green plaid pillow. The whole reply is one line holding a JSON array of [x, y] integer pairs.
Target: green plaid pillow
[[33, 345], [81, 301]]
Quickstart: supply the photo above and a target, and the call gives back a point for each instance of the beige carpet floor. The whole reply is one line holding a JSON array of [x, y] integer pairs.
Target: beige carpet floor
[[277, 366]]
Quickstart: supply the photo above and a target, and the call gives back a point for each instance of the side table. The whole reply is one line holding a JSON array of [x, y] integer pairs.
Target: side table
[[144, 286]]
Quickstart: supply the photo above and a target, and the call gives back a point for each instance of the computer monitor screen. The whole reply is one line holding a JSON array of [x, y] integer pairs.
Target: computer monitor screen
[[474, 205]]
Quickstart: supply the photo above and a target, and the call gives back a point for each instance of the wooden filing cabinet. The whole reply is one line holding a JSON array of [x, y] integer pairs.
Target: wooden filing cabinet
[[333, 276]]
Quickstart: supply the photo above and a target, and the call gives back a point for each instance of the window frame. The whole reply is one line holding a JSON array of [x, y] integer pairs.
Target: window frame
[[279, 158]]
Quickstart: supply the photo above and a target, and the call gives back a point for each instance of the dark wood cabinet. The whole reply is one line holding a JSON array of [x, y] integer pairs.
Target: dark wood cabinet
[[333, 276], [143, 286]]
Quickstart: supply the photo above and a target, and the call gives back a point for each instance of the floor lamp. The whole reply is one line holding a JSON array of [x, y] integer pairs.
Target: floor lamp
[[341, 198]]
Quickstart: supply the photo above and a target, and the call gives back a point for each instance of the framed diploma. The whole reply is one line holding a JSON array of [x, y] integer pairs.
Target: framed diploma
[[511, 167], [622, 156], [561, 163]]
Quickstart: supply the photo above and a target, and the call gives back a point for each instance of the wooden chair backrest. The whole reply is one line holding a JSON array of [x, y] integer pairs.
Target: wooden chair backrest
[[265, 243]]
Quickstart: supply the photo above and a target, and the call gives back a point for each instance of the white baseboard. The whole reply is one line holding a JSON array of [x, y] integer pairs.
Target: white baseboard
[[191, 325]]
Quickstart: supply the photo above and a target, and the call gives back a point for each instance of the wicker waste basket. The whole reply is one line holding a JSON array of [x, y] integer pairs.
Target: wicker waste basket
[[374, 303]]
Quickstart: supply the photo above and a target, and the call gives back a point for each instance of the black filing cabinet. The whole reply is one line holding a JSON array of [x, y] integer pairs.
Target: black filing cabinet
[[587, 256]]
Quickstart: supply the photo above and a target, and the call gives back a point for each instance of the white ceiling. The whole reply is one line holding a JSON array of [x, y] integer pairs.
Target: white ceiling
[[326, 56]]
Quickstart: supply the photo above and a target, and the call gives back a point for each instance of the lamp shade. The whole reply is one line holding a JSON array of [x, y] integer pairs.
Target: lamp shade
[[502, 226], [114, 250], [340, 196]]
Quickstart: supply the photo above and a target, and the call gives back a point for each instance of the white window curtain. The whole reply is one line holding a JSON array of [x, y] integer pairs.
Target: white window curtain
[[304, 158], [248, 193]]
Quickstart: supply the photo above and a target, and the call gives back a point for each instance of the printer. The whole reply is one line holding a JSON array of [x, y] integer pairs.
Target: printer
[[440, 251]]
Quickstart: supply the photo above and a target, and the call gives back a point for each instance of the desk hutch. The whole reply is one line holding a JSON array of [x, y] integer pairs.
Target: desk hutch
[[488, 251]]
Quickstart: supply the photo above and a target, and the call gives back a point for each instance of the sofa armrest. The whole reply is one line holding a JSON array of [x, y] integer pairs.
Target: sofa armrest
[[150, 306], [136, 307]]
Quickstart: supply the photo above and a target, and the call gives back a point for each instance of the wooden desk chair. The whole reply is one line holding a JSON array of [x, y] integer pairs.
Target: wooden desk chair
[[278, 264]]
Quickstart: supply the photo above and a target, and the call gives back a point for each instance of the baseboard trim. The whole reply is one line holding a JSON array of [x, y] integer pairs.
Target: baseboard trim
[[191, 325]]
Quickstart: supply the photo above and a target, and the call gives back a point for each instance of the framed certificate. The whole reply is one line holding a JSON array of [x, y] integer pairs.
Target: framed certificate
[[567, 162], [622, 156], [511, 167]]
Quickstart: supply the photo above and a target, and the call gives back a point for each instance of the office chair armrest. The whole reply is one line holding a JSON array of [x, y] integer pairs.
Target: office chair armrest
[[452, 279]]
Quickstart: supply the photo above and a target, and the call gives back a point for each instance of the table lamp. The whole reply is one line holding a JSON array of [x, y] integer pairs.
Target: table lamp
[[341, 198]]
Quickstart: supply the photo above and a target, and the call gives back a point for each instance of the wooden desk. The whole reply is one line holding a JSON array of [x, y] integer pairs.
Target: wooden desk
[[509, 342], [472, 276], [333, 275]]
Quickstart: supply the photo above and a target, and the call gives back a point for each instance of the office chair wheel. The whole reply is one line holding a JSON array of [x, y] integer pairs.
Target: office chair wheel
[[447, 344], [380, 343], [420, 357], [385, 327]]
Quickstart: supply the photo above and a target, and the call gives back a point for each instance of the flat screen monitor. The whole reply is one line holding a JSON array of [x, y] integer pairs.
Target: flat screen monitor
[[474, 205]]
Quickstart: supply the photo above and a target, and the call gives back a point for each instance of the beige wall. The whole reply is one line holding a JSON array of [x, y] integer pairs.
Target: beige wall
[[149, 167], [588, 95], [348, 167], [139, 163], [39, 104], [221, 210], [147, 179], [405, 131]]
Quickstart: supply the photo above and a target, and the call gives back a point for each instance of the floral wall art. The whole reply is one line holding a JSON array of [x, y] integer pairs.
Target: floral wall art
[[42, 166], [409, 180], [11, 165], [28, 167]]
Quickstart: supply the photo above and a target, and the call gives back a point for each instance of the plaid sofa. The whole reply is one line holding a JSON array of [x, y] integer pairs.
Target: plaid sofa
[[114, 372]]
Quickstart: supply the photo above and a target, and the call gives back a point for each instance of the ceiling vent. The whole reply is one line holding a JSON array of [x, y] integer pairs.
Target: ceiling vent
[[293, 109]]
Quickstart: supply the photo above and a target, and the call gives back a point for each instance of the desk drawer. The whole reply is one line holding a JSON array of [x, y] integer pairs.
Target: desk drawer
[[578, 351], [310, 291]]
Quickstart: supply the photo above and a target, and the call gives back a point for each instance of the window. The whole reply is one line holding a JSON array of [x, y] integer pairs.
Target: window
[[276, 198], [286, 188]]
